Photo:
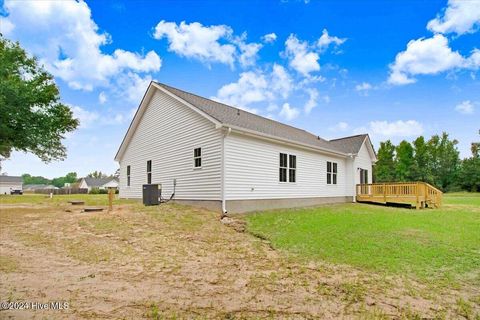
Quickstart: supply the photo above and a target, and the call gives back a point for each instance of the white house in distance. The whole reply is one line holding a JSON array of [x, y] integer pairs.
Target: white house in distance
[[10, 183], [99, 183], [227, 159]]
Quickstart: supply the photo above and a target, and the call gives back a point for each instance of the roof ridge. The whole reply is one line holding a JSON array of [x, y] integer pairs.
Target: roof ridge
[[228, 106], [348, 137]]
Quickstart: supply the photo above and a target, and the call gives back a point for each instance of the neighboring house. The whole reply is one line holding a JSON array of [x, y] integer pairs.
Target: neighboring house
[[33, 187], [98, 183], [10, 183], [228, 159]]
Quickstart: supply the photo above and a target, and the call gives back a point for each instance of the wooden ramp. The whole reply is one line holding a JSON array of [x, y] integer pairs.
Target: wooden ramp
[[418, 194]]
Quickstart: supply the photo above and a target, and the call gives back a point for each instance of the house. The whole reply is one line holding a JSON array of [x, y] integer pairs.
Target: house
[[35, 187], [98, 183], [223, 158], [10, 183]]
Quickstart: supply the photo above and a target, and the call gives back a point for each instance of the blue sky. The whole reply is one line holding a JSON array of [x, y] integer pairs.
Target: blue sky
[[393, 69]]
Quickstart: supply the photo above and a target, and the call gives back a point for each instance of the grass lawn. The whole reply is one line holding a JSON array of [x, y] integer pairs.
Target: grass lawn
[[43, 199], [179, 262], [440, 244]]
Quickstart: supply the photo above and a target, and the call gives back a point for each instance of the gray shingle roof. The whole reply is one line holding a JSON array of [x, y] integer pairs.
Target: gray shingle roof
[[11, 179], [349, 144], [97, 182], [228, 115]]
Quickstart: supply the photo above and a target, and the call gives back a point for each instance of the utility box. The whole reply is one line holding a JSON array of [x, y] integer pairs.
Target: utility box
[[151, 195]]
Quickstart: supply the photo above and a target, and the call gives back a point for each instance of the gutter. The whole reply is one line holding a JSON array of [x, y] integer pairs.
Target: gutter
[[265, 136]]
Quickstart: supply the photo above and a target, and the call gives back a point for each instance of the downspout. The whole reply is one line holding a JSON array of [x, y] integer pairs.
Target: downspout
[[224, 135], [354, 172]]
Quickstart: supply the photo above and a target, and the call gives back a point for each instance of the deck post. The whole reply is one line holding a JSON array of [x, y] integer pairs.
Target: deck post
[[385, 192], [417, 191]]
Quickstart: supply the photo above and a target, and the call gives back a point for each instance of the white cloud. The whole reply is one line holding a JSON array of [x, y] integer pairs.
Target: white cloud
[[289, 113], [325, 40], [102, 97], [460, 16], [208, 44], [302, 59], [248, 51], [466, 107], [341, 126], [424, 56], [364, 86], [256, 86], [269, 38], [132, 87], [281, 82], [250, 88], [197, 41], [312, 100], [67, 41], [397, 128], [85, 117]]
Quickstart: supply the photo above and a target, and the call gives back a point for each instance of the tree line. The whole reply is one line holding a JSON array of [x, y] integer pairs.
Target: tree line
[[59, 182], [435, 161]]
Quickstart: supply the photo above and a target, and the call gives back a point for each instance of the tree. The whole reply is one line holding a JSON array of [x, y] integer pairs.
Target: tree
[[404, 161], [421, 170], [445, 160], [97, 174], [59, 182], [31, 117], [384, 169], [28, 179], [469, 175]]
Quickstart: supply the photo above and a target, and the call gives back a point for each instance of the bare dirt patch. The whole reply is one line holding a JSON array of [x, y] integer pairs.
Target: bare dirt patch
[[173, 261]]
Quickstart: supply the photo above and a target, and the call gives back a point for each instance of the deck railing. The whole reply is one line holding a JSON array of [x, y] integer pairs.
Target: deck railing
[[420, 194]]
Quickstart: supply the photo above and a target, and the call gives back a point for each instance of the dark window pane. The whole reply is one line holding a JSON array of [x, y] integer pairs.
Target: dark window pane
[[334, 179], [198, 162], [329, 178], [283, 175], [283, 160], [197, 152], [291, 175], [329, 166], [128, 180], [335, 167], [149, 178], [293, 161], [149, 165], [128, 170]]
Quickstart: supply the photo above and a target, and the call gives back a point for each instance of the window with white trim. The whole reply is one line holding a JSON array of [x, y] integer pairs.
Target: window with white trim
[[331, 172], [283, 167], [149, 171], [288, 168], [292, 168], [128, 176], [197, 157]]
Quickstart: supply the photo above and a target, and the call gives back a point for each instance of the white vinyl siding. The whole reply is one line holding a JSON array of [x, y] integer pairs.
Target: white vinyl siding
[[6, 187], [252, 171], [167, 134], [363, 161]]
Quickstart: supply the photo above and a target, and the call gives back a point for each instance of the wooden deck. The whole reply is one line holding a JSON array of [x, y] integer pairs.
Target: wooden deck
[[418, 194]]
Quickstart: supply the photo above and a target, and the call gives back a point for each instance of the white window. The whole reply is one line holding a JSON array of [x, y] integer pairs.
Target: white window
[[288, 164], [331, 172], [128, 176], [197, 157], [292, 168], [283, 167], [149, 171]]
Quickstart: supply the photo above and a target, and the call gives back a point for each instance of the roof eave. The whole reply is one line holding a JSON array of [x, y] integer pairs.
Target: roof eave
[[283, 140]]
